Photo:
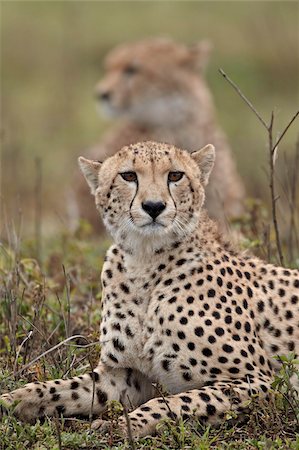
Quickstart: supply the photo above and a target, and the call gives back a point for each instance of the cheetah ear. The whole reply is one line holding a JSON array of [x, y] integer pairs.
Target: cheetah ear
[[205, 158], [199, 55], [90, 170]]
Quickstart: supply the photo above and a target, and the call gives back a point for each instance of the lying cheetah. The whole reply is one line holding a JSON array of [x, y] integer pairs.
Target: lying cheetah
[[157, 88], [180, 307]]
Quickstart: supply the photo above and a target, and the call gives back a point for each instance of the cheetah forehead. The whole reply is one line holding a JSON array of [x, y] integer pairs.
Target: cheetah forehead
[[145, 154]]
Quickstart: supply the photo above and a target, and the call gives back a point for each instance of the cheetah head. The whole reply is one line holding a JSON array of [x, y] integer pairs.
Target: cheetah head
[[144, 80], [150, 194]]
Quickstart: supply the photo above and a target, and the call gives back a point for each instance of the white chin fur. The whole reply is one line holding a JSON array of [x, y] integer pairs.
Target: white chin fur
[[142, 241]]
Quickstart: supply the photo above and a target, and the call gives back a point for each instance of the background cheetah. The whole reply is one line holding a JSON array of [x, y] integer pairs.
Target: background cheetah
[[157, 88], [180, 307]]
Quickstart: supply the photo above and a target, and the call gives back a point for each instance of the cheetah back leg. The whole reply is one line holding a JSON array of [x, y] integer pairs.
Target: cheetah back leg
[[209, 404], [81, 395]]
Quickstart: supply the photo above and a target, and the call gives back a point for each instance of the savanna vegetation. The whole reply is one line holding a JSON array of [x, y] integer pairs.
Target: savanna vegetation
[[51, 55]]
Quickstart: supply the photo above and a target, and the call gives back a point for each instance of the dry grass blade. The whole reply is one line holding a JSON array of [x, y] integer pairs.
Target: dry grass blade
[[76, 336]]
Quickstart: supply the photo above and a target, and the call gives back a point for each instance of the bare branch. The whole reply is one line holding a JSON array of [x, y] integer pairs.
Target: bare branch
[[285, 130], [272, 158], [238, 90]]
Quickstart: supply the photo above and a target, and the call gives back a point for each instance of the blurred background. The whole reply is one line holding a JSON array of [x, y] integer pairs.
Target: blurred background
[[52, 54]]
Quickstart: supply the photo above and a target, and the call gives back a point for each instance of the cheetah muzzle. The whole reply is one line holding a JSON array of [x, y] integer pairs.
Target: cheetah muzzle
[[179, 308]]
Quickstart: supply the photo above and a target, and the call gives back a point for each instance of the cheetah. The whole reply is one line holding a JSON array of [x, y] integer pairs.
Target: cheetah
[[155, 89], [180, 307]]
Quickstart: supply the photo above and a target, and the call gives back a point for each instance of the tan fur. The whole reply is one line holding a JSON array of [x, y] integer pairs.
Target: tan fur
[[180, 306], [166, 99]]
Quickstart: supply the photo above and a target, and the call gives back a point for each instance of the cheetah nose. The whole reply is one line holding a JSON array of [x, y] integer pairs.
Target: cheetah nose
[[103, 96], [153, 208]]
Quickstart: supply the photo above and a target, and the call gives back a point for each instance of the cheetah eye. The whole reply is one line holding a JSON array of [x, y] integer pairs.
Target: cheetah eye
[[130, 70], [175, 176], [129, 176]]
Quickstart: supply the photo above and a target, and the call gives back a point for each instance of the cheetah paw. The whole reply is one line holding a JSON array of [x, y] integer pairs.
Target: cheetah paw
[[106, 426]]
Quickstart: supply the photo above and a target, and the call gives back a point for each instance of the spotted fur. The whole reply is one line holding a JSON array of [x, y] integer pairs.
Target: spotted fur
[[180, 306]]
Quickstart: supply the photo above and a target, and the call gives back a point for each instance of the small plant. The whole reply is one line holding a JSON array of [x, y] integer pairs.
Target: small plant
[[284, 383]]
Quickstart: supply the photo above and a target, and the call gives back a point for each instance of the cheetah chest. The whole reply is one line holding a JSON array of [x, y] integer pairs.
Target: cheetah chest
[[125, 304]]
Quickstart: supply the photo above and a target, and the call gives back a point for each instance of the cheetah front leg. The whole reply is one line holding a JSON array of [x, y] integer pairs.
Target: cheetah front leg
[[83, 395], [209, 404]]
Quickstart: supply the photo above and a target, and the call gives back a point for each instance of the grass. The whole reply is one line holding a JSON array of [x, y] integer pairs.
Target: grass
[[49, 285]]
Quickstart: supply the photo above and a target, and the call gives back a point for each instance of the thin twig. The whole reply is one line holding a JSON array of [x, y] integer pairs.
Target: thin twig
[[272, 158], [129, 429], [58, 430], [237, 89], [285, 130], [18, 352]]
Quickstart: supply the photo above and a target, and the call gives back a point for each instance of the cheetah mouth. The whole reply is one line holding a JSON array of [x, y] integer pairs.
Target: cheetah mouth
[[153, 224]]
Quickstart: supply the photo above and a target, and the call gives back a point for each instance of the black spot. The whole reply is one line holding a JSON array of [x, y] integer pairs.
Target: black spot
[[211, 410], [222, 359], [60, 409], [128, 331], [118, 345], [181, 335], [102, 396], [249, 292], [113, 358], [199, 331], [227, 348], [219, 331], [124, 288], [145, 408], [185, 399], [247, 327], [187, 376], [219, 281], [165, 364], [211, 293], [180, 262], [74, 385], [260, 306], [206, 352]]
